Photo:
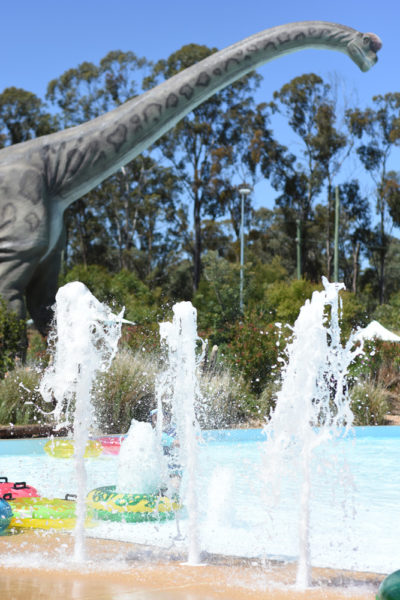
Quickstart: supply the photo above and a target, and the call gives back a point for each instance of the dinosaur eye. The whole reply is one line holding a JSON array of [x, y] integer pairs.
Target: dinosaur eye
[[366, 40]]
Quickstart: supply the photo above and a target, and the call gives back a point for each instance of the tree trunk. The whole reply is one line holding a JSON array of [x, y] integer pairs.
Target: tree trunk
[[356, 254], [82, 237], [329, 234], [328, 258], [197, 243], [382, 254]]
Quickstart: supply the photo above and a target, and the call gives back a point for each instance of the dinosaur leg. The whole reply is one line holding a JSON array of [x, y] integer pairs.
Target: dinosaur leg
[[14, 275], [42, 289]]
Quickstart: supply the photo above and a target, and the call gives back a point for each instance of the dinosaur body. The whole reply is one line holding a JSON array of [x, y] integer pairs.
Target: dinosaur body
[[40, 178]]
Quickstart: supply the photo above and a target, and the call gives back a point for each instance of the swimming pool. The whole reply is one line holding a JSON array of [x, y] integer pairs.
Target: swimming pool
[[355, 502]]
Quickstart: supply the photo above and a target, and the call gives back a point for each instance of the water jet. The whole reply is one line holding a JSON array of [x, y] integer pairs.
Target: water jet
[[257, 542]]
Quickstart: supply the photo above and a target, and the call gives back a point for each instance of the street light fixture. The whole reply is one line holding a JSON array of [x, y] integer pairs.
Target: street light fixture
[[244, 190]]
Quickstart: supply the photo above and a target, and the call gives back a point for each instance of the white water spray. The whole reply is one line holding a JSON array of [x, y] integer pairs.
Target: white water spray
[[140, 462], [85, 335], [312, 405], [180, 338]]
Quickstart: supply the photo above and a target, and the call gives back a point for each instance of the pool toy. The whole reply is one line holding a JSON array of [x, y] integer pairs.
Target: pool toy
[[5, 515], [44, 513], [107, 504], [62, 448], [19, 489], [111, 444], [390, 587]]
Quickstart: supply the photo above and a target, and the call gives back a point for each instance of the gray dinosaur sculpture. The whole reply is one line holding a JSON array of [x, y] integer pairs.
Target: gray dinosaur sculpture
[[40, 178]]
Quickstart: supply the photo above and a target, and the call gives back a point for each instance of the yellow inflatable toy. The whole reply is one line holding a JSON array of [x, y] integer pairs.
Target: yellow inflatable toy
[[63, 448], [107, 504], [44, 513]]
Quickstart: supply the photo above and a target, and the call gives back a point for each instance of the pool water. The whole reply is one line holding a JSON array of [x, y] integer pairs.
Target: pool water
[[355, 509]]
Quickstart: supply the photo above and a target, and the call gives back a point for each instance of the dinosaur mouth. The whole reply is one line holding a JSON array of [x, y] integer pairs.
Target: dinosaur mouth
[[365, 57]]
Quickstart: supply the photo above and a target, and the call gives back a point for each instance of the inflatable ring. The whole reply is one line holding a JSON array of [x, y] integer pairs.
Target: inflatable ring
[[108, 505], [44, 513], [19, 489], [62, 448], [390, 587], [5, 515], [111, 444]]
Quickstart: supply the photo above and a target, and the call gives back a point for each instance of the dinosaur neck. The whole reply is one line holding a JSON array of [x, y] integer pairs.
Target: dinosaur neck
[[78, 159]]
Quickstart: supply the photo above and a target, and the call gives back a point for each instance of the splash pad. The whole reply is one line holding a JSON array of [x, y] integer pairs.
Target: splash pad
[[255, 544]]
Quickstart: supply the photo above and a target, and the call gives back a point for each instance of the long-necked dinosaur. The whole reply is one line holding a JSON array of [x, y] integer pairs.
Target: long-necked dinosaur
[[40, 178]]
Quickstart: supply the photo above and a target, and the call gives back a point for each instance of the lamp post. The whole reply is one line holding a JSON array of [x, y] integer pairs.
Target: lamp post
[[244, 190]]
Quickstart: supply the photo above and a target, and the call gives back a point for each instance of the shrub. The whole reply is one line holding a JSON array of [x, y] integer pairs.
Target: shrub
[[126, 391], [139, 338], [37, 355], [379, 363], [267, 399], [226, 400], [119, 290], [369, 403], [12, 333], [287, 298], [217, 299], [20, 400], [253, 351]]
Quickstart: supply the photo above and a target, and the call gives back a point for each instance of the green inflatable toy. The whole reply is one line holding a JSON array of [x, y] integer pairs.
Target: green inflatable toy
[[390, 587]]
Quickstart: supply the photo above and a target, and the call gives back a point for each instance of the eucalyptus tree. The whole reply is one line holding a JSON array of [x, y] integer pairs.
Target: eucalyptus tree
[[23, 116], [211, 148], [132, 219], [307, 103], [378, 132], [89, 90], [354, 231], [269, 239]]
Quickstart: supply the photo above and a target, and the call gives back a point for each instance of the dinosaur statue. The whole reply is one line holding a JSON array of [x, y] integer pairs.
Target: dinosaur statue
[[40, 178]]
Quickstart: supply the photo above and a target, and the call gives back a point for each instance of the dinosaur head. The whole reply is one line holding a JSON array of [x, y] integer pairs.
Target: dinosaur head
[[363, 48]]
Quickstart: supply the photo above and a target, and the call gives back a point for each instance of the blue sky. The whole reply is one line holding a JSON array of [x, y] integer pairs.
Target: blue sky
[[40, 39]]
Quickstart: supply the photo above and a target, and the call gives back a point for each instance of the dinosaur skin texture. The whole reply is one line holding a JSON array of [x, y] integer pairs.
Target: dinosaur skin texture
[[40, 178]]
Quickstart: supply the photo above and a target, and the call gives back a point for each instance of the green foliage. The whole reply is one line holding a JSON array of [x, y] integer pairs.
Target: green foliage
[[178, 281], [379, 362], [267, 398], [369, 403], [23, 116], [141, 338], [133, 219], [375, 376], [378, 132], [126, 391], [227, 400], [307, 103], [389, 314], [128, 240], [20, 400], [354, 313], [123, 289], [217, 299], [12, 331], [285, 298], [37, 354], [88, 90], [206, 147], [253, 351], [260, 276]]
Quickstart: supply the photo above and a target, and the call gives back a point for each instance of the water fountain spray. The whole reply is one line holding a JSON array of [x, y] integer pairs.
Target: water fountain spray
[[85, 335], [312, 406], [180, 338]]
